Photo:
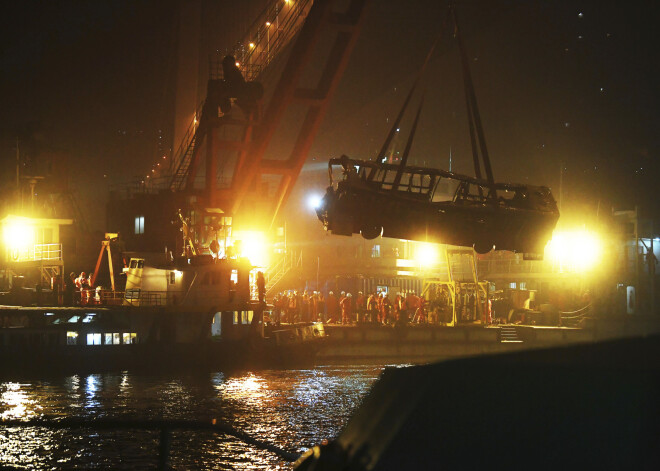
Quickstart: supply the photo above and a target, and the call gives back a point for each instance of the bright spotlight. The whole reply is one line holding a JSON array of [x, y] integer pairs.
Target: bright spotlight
[[253, 246], [574, 251], [314, 201], [426, 254], [18, 235]]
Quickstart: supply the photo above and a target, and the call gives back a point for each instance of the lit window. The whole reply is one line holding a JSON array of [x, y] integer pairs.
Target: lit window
[[513, 285], [139, 224], [93, 339], [72, 338], [375, 251], [129, 338], [116, 338], [172, 277], [108, 339]]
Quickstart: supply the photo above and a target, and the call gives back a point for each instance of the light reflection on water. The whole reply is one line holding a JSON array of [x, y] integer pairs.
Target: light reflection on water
[[293, 409]]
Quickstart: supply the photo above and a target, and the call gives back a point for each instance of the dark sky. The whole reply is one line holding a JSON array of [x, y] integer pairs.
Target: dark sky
[[556, 81]]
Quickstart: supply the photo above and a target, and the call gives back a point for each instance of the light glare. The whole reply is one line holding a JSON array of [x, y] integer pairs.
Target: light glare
[[426, 254], [314, 201], [574, 251], [253, 246]]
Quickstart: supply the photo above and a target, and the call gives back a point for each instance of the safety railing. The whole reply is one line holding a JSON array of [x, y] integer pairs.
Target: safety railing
[[48, 252], [514, 266], [269, 33], [164, 428], [38, 252], [278, 271], [138, 297]]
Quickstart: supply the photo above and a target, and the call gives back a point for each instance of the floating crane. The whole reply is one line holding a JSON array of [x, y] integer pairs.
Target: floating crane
[[235, 128]]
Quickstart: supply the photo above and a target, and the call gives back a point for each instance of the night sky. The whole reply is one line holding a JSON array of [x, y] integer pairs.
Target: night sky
[[90, 85]]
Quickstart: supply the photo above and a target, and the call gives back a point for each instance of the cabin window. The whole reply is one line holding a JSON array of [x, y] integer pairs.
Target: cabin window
[[172, 277], [129, 338], [94, 339], [512, 285], [140, 263], [113, 338], [375, 251], [72, 338], [139, 224]]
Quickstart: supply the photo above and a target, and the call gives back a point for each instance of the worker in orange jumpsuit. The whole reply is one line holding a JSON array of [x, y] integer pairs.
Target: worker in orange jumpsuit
[[361, 307], [420, 313], [346, 309], [387, 310], [399, 308], [372, 307], [82, 286]]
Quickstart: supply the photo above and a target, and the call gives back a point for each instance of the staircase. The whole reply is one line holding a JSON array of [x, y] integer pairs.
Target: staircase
[[279, 270], [268, 35], [183, 157], [509, 334]]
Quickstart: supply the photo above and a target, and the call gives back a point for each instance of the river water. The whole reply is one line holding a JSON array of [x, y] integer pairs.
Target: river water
[[292, 409]]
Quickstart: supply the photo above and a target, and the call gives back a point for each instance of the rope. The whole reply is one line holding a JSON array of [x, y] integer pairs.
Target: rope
[[162, 425]]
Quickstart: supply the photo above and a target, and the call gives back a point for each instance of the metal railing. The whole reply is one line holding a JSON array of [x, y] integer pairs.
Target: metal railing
[[138, 297], [276, 272], [515, 266], [268, 35], [163, 427], [47, 252], [38, 252]]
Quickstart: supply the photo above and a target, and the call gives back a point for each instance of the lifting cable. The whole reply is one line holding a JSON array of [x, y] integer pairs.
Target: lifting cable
[[474, 118], [397, 121]]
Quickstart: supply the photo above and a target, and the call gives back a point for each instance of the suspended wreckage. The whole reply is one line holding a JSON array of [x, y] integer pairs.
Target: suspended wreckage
[[407, 202], [370, 201]]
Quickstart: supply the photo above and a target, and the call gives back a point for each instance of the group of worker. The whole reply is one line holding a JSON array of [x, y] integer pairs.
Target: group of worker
[[80, 290], [293, 306]]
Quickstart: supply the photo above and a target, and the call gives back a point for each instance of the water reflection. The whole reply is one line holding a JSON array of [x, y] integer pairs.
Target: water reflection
[[293, 409], [14, 400]]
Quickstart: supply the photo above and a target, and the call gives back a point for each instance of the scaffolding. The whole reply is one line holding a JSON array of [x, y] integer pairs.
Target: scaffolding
[[458, 296]]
